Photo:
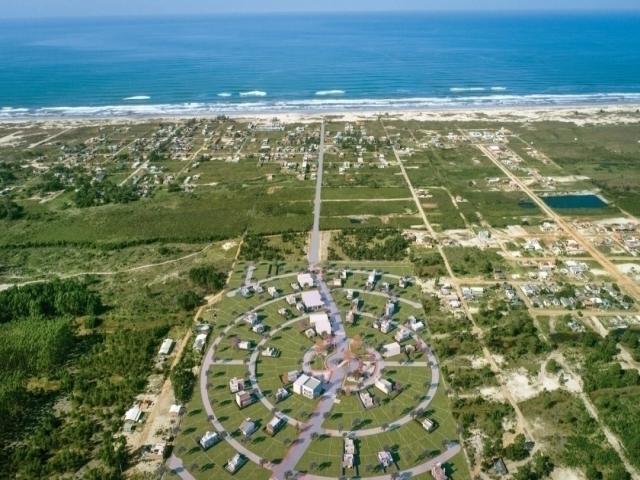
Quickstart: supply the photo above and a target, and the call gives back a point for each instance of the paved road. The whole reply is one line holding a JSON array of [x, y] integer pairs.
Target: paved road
[[314, 247]]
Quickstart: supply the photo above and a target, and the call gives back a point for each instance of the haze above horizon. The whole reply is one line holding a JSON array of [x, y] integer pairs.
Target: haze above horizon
[[81, 8]]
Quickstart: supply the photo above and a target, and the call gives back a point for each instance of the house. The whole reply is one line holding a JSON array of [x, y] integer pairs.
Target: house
[[235, 463], [209, 439], [404, 282], [274, 425], [500, 468], [349, 453], [336, 282], [366, 399], [371, 279], [247, 428], [245, 345], [236, 384], [305, 280], [271, 352], [385, 458], [402, 334], [251, 318], [385, 386], [344, 273], [165, 348], [281, 394], [349, 294], [390, 308], [415, 325], [291, 299], [438, 473], [292, 376], [428, 424], [310, 333], [351, 317], [386, 326], [273, 291], [321, 323], [312, 300], [200, 342], [244, 399], [283, 312], [175, 409], [391, 350], [258, 328], [307, 386], [133, 415]]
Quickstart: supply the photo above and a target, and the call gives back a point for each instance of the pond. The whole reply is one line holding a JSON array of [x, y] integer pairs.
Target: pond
[[575, 201]]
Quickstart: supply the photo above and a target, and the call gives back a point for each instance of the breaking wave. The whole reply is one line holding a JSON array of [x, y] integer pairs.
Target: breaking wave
[[253, 93], [137, 97], [323, 105], [329, 93]]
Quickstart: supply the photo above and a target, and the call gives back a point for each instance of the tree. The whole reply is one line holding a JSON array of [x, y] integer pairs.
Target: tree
[[189, 300]]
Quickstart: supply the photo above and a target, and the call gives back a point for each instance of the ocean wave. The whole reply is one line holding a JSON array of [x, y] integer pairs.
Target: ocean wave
[[467, 89], [224, 94], [329, 93], [498, 89], [323, 105], [137, 97], [253, 93]]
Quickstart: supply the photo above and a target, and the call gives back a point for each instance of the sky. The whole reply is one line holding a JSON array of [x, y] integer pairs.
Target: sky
[[79, 8]]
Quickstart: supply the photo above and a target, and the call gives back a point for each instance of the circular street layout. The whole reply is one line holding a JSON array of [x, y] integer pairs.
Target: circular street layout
[[317, 382]]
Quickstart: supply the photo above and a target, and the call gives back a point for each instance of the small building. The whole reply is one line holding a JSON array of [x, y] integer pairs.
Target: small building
[[385, 386], [176, 410], [438, 473], [402, 334], [371, 279], [165, 348], [245, 345], [275, 425], [292, 376], [283, 312], [291, 299], [271, 352], [273, 291], [391, 350], [209, 439], [307, 386], [252, 318], [428, 424], [321, 323], [312, 300], [200, 342], [258, 328], [133, 415], [248, 428], [281, 394], [386, 325], [349, 453], [305, 280], [500, 468], [235, 463], [416, 325], [350, 317], [385, 458], [236, 384], [404, 282], [350, 294], [244, 399], [309, 333], [366, 399], [390, 308]]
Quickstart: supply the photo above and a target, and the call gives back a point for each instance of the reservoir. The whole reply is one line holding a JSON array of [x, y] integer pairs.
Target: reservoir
[[575, 201]]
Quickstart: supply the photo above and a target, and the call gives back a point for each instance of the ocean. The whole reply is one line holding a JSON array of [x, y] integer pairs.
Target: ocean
[[320, 62]]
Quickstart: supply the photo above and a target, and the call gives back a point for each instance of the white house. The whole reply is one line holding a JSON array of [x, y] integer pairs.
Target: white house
[[199, 342], [428, 424], [133, 414], [307, 386], [245, 345], [251, 318], [402, 334], [273, 291], [209, 439], [236, 384], [385, 458], [305, 280], [321, 323], [385, 386], [391, 350], [165, 348], [312, 300]]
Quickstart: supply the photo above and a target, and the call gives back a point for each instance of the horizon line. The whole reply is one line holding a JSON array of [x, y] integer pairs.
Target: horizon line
[[524, 11]]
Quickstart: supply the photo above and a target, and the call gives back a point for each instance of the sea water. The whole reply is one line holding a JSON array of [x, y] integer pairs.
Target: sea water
[[274, 63]]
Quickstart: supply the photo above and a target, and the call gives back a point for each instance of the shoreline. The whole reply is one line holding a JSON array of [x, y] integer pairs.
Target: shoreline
[[579, 113]]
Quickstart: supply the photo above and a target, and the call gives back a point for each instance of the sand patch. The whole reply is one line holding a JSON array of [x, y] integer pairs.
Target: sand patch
[[564, 473], [523, 386], [226, 246]]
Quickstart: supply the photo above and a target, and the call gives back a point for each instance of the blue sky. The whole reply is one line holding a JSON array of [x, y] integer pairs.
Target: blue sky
[[51, 8]]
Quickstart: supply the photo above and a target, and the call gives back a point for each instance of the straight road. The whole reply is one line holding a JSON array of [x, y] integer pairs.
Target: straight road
[[314, 246]]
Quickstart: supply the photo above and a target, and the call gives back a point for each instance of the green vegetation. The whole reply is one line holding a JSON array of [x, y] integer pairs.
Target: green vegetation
[[473, 262], [371, 244]]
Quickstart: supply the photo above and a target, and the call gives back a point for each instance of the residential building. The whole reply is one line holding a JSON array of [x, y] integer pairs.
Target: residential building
[[305, 280], [385, 458], [244, 399], [312, 300], [402, 334], [200, 342], [248, 428], [307, 386], [165, 348], [391, 350], [236, 384], [428, 424], [235, 463], [385, 386], [209, 439], [274, 425], [321, 323]]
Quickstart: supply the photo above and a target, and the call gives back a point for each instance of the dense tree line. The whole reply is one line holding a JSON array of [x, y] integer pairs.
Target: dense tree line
[[208, 277], [51, 299], [89, 194], [256, 247], [10, 210], [373, 244], [182, 378]]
